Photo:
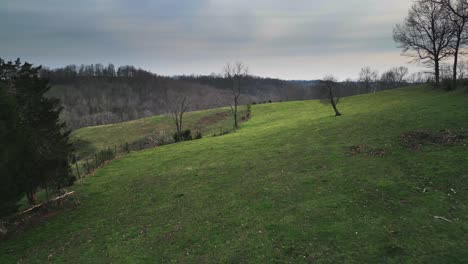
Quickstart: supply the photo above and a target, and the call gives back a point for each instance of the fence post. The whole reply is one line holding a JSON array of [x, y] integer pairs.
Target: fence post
[[96, 156]]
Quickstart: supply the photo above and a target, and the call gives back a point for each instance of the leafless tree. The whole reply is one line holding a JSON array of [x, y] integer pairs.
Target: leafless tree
[[416, 78], [401, 74], [445, 71], [177, 104], [394, 77], [368, 78], [426, 34], [235, 74], [462, 68], [330, 90], [459, 19], [388, 79]]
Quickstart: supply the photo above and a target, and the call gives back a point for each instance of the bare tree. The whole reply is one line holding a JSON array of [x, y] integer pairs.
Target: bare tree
[[426, 34], [368, 78], [461, 70], [459, 19], [394, 77], [401, 74], [177, 105], [235, 74], [388, 79], [416, 78], [330, 91]]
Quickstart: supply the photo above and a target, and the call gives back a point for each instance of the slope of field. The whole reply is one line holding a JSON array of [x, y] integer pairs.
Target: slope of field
[[284, 188], [93, 139]]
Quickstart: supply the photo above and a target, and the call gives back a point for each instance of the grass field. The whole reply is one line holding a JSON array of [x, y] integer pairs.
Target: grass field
[[283, 188], [208, 122]]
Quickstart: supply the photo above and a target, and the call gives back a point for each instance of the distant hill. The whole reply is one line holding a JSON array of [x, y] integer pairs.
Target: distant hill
[[304, 83], [97, 94]]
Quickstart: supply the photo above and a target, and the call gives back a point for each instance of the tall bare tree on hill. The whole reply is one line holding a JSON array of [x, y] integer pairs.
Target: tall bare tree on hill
[[459, 19], [330, 90], [235, 74], [426, 34]]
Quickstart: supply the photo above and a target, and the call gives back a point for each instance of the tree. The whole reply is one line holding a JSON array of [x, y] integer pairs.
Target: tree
[[330, 91], [367, 78], [394, 77], [45, 158], [178, 105], [459, 19], [235, 75], [417, 78], [11, 142], [426, 34]]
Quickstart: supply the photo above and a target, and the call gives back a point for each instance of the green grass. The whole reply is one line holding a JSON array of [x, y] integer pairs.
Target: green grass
[[281, 189], [97, 138]]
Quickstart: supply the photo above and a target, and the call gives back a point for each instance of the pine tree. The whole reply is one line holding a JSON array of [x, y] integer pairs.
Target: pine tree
[[11, 145], [45, 157]]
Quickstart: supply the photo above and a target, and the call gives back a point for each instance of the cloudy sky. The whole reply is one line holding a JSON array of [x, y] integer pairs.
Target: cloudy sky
[[294, 39]]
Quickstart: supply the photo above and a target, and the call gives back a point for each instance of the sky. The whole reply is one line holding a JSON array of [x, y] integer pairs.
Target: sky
[[293, 39]]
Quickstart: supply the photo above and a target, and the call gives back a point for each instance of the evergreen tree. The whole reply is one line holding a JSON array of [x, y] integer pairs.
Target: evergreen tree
[[11, 145], [45, 156]]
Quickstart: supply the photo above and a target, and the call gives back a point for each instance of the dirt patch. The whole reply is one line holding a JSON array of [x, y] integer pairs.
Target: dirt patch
[[367, 151], [416, 139], [213, 119]]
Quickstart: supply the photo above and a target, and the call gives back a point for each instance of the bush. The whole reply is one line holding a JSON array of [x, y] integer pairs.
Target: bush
[[186, 135], [198, 135]]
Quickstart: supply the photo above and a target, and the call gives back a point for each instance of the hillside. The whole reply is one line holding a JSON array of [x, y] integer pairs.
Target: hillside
[[95, 101], [89, 140], [294, 184]]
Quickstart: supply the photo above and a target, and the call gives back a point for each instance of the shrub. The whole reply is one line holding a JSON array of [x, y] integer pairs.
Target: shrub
[[198, 135], [249, 111], [126, 148], [186, 135]]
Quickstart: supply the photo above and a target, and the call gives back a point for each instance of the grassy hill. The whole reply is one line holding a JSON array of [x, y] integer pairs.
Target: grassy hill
[[295, 184], [93, 139]]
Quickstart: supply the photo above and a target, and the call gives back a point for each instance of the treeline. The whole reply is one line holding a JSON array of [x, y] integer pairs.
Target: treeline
[[72, 71], [35, 148], [89, 101], [99, 94], [96, 94]]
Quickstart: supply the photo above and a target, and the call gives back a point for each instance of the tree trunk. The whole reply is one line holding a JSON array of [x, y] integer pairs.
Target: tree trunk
[[337, 113], [32, 199], [437, 72], [180, 125], [235, 115], [455, 64]]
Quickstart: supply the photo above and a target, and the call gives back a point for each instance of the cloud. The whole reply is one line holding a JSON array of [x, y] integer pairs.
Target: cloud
[[170, 36]]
